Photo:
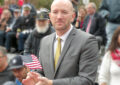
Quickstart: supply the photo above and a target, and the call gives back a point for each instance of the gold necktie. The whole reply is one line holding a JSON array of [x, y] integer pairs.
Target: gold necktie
[[58, 51]]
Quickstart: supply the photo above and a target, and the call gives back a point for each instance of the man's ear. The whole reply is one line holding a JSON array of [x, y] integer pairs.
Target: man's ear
[[49, 15], [73, 16]]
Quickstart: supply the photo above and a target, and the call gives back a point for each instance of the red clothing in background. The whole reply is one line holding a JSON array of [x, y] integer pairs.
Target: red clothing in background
[[1, 9], [20, 2]]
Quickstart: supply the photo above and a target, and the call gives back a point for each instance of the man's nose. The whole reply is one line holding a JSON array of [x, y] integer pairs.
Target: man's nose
[[59, 15]]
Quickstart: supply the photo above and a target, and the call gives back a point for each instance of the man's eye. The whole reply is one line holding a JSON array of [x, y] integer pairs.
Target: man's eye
[[64, 12], [55, 12]]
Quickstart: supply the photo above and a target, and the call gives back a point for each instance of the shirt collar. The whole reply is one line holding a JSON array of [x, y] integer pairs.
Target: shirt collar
[[64, 37]]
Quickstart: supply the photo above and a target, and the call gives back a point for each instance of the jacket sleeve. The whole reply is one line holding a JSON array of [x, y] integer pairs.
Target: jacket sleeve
[[17, 25], [104, 73], [103, 10], [100, 26], [28, 45]]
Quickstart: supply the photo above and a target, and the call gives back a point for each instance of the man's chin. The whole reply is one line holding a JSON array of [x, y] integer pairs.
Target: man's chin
[[59, 27]]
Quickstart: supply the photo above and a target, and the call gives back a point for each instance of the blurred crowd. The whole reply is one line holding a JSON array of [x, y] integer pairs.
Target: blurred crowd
[[22, 27]]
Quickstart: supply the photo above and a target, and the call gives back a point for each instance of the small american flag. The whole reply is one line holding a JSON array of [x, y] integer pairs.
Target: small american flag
[[31, 61]]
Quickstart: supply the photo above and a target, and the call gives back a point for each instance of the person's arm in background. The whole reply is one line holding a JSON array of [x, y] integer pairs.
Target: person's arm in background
[[75, 2], [27, 45], [104, 73], [104, 9], [101, 23], [77, 22], [104, 84]]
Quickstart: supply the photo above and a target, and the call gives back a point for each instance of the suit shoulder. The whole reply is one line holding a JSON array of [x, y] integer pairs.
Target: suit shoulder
[[80, 33], [48, 37]]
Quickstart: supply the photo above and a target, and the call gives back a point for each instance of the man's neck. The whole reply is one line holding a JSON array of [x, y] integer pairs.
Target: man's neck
[[62, 32]]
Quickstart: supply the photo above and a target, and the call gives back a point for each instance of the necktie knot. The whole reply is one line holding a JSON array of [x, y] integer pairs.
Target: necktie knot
[[59, 39]]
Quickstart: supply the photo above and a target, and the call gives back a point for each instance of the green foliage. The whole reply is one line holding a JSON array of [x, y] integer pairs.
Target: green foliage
[[97, 2], [1, 2], [47, 3], [42, 3]]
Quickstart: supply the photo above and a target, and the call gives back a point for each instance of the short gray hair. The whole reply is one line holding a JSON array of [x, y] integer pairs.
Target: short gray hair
[[93, 5]]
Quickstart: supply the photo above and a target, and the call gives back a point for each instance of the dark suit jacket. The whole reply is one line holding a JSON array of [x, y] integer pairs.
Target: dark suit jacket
[[97, 27], [17, 24], [28, 22], [77, 64]]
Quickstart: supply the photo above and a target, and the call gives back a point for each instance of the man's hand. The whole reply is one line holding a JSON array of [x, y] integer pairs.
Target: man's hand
[[17, 35], [8, 29], [28, 81], [44, 81], [34, 78]]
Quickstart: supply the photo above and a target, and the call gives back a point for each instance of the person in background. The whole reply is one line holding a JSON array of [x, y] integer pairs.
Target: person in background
[[42, 28], [68, 56], [6, 4], [20, 3], [75, 4], [81, 16], [5, 74], [95, 24], [109, 73], [32, 11], [110, 10], [13, 5], [10, 32], [21, 65], [5, 21], [28, 24], [1, 10], [18, 68]]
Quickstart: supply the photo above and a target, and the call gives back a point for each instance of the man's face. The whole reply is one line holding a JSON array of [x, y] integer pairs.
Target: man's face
[[16, 14], [3, 60], [6, 15], [41, 23], [20, 73], [82, 13], [26, 12], [61, 16], [90, 9], [42, 26]]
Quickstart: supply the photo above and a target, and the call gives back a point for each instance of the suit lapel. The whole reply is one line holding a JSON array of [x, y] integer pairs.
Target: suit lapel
[[65, 48], [52, 55], [93, 24]]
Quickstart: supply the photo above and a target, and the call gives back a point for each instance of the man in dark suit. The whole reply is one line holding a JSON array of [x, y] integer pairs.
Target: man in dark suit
[[28, 25], [32, 11], [95, 24], [69, 56]]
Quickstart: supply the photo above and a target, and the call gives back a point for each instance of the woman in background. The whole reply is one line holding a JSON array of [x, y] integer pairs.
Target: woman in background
[[109, 73], [81, 16], [4, 23]]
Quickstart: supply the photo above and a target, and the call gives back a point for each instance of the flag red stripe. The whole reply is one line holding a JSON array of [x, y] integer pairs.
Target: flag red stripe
[[35, 64]]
